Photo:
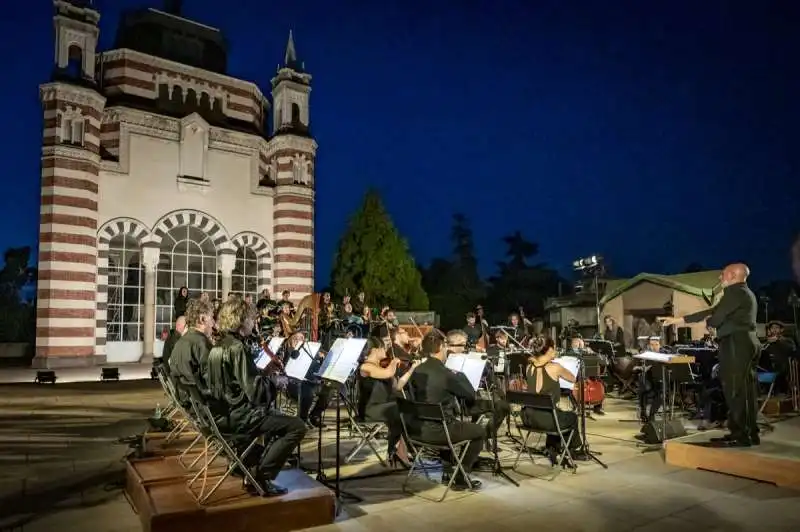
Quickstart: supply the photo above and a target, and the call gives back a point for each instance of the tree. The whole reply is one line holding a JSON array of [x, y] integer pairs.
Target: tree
[[373, 257], [518, 283], [17, 320], [693, 267], [454, 286]]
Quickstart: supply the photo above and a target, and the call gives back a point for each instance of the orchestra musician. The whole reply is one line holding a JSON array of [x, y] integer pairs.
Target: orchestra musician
[[613, 332], [191, 351], [473, 330], [169, 344], [238, 392], [734, 318], [778, 349], [286, 301], [327, 316], [307, 392], [379, 386], [433, 383], [360, 307], [542, 376], [499, 409], [285, 319], [519, 330], [650, 393], [578, 348]]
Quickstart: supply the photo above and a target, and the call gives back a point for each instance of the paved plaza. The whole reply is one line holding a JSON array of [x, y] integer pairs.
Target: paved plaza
[[63, 470]]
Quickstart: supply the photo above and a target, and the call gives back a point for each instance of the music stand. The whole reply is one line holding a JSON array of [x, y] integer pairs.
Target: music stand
[[497, 467], [584, 452], [297, 368], [339, 365]]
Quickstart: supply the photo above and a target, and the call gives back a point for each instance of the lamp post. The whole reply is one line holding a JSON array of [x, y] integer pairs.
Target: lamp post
[[592, 266]]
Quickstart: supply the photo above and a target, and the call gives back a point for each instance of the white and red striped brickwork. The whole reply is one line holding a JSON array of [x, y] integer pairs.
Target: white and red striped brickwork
[[116, 174]]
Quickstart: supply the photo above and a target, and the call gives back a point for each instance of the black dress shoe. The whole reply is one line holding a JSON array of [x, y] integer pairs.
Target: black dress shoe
[[460, 484], [269, 488], [733, 443]]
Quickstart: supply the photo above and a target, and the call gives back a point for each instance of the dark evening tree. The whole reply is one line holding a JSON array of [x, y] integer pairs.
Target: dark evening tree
[[374, 258]]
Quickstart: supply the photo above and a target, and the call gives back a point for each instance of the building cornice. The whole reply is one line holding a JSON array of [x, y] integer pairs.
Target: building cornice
[[71, 152], [191, 72], [72, 94]]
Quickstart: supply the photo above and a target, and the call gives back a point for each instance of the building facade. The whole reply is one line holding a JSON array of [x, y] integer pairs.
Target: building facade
[[160, 171]]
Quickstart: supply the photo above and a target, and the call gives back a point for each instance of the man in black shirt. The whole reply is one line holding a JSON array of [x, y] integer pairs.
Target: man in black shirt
[[190, 353], [734, 318], [433, 383], [169, 344], [473, 330]]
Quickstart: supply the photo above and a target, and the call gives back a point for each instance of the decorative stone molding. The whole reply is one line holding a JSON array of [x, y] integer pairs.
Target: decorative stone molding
[[188, 71], [150, 257], [291, 142], [294, 190], [186, 184], [71, 94], [70, 152], [226, 262]]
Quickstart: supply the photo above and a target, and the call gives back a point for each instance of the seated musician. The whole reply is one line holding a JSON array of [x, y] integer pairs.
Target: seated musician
[[542, 376], [190, 353], [650, 391], [379, 385], [265, 301], [519, 329], [169, 344], [360, 307], [613, 332], [239, 396], [578, 348], [285, 301], [285, 319], [496, 407], [326, 319], [711, 404], [308, 392], [776, 353], [473, 330], [433, 383]]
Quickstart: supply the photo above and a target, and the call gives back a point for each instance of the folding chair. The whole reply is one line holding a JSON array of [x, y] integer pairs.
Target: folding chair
[[367, 431], [542, 403], [766, 378], [186, 422], [217, 444], [412, 413]]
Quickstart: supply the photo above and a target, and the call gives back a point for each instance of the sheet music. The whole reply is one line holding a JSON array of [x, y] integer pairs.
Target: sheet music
[[342, 359], [655, 357], [573, 365], [470, 364], [297, 368], [263, 359], [275, 344]]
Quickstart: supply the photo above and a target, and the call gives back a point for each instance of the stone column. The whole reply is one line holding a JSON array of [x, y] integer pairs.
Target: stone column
[[226, 262], [150, 256]]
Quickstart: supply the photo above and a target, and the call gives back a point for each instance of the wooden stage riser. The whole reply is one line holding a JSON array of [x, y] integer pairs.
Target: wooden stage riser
[[745, 464], [154, 443], [157, 488]]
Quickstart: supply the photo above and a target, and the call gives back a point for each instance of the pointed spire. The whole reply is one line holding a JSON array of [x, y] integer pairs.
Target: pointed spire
[[290, 58]]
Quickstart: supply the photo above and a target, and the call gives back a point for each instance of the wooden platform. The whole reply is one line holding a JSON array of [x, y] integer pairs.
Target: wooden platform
[[156, 488], [776, 460], [155, 443]]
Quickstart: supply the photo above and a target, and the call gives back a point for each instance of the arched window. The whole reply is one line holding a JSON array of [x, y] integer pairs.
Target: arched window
[[188, 258], [75, 62], [296, 115], [245, 273], [125, 291]]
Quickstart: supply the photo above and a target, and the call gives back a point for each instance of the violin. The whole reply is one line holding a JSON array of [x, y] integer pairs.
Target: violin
[[277, 363]]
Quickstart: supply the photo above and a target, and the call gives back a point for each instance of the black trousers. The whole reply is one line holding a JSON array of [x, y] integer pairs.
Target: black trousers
[[305, 393], [650, 396], [389, 413], [459, 431], [540, 420], [738, 356], [498, 409], [289, 431]]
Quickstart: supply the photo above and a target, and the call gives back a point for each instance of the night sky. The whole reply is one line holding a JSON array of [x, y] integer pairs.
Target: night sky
[[656, 136]]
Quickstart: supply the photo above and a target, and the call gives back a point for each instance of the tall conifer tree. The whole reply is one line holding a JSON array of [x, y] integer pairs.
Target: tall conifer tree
[[373, 257]]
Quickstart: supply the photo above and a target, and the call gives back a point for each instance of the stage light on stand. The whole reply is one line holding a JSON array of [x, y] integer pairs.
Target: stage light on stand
[[109, 374], [591, 267], [47, 376]]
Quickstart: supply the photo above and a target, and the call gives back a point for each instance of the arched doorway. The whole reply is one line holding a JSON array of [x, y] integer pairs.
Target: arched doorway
[[188, 257], [124, 316]]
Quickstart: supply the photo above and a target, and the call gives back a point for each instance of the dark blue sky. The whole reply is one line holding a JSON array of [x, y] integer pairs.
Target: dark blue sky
[[657, 136]]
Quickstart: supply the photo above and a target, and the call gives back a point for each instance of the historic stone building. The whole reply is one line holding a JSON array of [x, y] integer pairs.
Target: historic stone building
[[159, 171]]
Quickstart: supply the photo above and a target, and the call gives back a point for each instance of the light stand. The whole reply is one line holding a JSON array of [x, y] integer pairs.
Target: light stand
[[583, 452], [592, 267]]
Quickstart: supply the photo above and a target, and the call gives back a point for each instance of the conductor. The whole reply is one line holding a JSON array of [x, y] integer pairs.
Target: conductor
[[734, 318]]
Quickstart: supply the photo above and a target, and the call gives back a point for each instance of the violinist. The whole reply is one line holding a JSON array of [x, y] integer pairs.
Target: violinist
[[518, 329], [379, 386], [473, 330], [307, 392], [237, 390]]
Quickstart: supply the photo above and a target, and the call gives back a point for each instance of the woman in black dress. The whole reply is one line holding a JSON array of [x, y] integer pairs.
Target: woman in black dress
[[379, 386]]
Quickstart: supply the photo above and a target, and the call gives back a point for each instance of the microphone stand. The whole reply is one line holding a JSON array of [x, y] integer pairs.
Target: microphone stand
[[583, 452]]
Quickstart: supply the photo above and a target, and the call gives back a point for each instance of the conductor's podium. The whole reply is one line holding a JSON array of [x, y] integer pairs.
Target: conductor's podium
[[157, 489]]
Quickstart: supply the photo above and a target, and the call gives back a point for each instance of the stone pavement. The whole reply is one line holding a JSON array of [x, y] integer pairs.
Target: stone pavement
[[62, 469]]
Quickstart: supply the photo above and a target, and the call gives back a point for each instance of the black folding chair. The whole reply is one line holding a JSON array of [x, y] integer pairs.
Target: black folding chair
[[542, 403], [413, 413], [217, 444]]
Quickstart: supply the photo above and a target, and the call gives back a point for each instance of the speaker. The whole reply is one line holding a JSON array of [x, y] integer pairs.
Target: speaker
[[652, 431]]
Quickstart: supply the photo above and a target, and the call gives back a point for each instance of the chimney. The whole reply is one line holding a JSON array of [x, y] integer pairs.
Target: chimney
[[173, 7]]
